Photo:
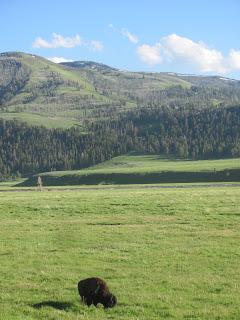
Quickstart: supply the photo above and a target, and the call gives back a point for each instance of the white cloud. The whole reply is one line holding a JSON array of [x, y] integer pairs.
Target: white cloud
[[234, 59], [197, 54], [59, 59], [151, 55], [95, 45], [58, 41], [174, 48], [127, 34]]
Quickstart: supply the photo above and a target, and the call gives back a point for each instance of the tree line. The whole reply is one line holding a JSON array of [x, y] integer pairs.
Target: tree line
[[208, 133]]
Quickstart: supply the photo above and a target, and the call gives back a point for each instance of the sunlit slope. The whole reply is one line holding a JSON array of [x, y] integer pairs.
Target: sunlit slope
[[38, 91], [126, 84], [31, 85], [154, 89], [134, 169]]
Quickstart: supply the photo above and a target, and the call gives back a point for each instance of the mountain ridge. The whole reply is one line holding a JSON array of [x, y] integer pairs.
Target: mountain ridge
[[98, 65], [41, 92]]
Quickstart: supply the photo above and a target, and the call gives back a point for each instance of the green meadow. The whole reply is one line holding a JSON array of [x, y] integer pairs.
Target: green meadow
[[40, 120], [165, 253], [146, 169], [132, 163]]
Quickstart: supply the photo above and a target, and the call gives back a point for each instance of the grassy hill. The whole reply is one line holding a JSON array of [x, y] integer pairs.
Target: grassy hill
[[134, 169], [38, 91]]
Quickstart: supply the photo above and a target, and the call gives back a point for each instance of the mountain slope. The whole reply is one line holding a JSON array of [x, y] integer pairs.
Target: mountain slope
[[201, 134], [41, 92], [32, 85], [164, 88]]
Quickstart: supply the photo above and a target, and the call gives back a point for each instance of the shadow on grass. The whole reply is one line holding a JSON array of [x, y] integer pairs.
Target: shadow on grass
[[226, 175], [54, 304]]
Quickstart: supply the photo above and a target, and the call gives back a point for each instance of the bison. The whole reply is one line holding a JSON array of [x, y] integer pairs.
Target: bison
[[94, 291]]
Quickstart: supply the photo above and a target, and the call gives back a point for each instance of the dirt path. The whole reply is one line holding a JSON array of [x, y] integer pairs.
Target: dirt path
[[190, 186]]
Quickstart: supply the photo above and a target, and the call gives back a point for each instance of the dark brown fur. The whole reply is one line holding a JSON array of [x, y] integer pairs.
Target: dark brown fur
[[94, 291]]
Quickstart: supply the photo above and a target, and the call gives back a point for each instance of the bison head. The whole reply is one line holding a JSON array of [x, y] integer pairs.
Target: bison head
[[110, 301]]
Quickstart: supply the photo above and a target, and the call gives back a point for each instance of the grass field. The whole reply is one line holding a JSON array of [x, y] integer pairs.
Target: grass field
[[133, 169], [154, 163], [40, 120], [166, 254]]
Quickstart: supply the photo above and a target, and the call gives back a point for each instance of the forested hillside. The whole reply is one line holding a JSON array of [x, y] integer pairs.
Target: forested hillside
[[157, 89], [40, 92], [77, 114], [27, 149]]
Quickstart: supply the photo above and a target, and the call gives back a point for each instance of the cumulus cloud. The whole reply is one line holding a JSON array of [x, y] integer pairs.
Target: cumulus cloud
[[198, 54], [150, 55], [58, 41], [174, 48], [125, 33], [59, 59], [234, 59]]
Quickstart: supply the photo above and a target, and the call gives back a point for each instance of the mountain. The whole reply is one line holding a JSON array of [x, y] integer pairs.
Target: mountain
[[37, 90], [89, 65], [82, 113], [40, 92]]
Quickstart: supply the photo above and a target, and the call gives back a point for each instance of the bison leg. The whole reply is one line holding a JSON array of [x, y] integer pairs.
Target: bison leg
[[88, 301], [84, 299], [95, 302]]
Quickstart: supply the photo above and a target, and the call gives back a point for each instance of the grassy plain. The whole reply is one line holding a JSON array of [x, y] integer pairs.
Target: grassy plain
[[40, 120], [132, 163], [166, 253], [134, 169]]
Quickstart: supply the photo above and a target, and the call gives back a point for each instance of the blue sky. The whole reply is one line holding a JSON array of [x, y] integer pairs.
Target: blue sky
[[186, 36]]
